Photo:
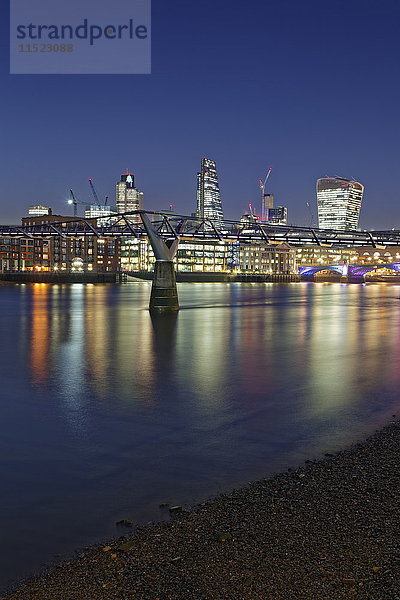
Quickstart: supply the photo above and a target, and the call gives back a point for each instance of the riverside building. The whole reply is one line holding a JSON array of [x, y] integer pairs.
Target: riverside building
[[316, 256], [267, 258], [387, 255], [339, 203], [70, 253], [85, 253], [195, 256], [191, 257], [209, 205], [21, 254]]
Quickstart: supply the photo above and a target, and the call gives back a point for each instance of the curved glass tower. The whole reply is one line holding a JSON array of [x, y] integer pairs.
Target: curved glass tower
[[339, 203]]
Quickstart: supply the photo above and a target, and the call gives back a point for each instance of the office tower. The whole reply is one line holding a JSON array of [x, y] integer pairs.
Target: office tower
[[94, 211], [339, 203], [278, 215], [39, 210], [209, 205], [129, 197], [267, 204]]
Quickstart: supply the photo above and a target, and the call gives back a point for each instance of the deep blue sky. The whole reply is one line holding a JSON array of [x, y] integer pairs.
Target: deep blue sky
[[310, 88]]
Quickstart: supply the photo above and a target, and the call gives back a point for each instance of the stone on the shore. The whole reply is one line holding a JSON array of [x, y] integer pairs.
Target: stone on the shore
[[223, 536], [124, 522], [127, 546], [176, 510]]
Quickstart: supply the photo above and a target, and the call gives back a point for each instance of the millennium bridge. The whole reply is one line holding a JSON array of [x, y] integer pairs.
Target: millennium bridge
[[170, 226], [165, 230]]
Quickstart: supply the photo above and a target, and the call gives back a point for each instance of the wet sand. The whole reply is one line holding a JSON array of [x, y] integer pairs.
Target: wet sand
[[327, 530]]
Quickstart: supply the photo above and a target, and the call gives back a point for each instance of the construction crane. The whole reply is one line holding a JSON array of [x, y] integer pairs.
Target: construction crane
[[311, 214], [75, 202], [95, 194], [262, 188], [252, 210], [96, 198]]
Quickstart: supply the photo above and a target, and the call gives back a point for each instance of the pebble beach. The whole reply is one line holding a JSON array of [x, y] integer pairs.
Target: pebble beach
[[324, 531]]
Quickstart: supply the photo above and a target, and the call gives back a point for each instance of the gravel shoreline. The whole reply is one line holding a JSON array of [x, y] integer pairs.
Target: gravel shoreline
[[327, 530]]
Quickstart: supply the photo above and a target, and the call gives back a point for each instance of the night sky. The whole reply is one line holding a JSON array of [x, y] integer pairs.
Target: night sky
[[310, 88]]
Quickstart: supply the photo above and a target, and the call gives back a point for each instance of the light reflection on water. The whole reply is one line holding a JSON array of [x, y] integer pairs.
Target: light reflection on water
[[107, 412]]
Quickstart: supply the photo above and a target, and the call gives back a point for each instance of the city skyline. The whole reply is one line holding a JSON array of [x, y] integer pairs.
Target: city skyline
[[217, 89], [208, 202]]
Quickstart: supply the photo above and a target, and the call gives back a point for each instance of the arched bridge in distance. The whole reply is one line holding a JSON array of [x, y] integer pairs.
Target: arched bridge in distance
[[354, 273]]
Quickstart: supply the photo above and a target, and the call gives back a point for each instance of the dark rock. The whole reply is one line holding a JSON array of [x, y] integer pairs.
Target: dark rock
[[127, 546], [223, 536], [175, 510], [124, 522]]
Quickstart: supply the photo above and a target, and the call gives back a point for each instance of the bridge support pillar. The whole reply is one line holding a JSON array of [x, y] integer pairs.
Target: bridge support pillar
[[164, 295], [355, 279]]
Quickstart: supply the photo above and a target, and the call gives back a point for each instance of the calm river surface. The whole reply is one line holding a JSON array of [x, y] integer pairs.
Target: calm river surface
[[106, 413]]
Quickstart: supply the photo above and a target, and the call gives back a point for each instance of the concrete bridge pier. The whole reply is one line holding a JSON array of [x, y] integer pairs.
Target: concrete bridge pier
[[356, 278], [164, 295]]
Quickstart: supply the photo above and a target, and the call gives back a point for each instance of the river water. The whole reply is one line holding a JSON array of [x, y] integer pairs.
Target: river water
[[106, 413]]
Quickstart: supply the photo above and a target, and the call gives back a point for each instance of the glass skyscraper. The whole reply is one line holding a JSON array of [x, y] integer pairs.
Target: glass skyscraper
[[339, 203], [209, 205], [128, 196]]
